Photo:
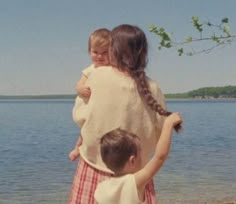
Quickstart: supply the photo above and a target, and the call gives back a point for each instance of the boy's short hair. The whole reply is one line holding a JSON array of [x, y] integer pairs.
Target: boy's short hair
[[116, 148], [99, 38]]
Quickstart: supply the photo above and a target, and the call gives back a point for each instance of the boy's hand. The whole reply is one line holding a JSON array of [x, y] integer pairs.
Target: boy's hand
[[174, 119]]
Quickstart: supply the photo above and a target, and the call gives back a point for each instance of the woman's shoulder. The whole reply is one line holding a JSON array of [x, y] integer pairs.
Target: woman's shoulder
[[103, 75], [153, 84]]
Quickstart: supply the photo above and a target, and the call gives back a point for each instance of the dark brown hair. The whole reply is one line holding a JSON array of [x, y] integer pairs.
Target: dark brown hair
[[116, 148], [128, 52]]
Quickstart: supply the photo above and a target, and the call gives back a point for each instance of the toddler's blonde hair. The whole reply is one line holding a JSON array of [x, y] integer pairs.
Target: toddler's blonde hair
[[99, 38]]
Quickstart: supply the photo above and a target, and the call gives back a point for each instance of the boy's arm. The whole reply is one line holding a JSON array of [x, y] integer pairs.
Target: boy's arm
[[80, 87], [143, 176]]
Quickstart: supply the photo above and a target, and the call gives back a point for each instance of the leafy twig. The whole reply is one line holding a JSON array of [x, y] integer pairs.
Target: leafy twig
[[220, 37]]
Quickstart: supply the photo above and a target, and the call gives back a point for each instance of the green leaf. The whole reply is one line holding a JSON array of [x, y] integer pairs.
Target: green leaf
[[168, 45], [195, 18], [214, 38], [225, 28], [180, 51], [196, 24], [152, 27], [189, 39], [161, 30], [225, 20], [166, 37]]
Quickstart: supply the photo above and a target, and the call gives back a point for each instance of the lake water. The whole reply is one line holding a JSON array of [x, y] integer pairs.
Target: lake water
[[36, 136]]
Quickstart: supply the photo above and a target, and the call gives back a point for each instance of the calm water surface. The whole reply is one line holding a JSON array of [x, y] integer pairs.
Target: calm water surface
[[202, 163], [36, 136]]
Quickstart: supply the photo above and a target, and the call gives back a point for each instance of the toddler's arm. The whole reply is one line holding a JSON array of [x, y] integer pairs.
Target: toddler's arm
[[81, 88]]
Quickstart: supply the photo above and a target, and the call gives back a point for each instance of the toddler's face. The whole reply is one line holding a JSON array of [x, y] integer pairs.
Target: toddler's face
[[99, 56]]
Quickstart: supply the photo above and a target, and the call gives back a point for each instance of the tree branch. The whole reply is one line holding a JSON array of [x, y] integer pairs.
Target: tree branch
[[221, 36]]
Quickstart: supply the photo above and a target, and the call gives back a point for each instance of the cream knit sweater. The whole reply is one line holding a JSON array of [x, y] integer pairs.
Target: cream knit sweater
[[115, 102]]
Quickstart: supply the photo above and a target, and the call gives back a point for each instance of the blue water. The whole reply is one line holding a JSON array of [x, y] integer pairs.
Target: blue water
[[36, 136]]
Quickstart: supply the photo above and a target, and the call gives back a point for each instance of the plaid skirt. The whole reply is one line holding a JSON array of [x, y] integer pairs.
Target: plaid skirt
[[86, 179]]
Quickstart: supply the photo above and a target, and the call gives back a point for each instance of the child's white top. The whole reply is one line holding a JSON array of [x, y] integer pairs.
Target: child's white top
[[88, 70], [118, 190], [115, 103]]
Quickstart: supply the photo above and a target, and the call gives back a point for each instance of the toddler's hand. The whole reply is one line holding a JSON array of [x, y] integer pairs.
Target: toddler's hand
[[85, 91]]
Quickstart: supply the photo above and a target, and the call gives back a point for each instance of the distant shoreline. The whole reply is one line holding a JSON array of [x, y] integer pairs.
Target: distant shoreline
[[223, 92], [72, 97], [50, 96]]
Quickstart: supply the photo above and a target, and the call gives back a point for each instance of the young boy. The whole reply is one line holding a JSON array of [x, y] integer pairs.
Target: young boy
[[120, 151], [98, 45]]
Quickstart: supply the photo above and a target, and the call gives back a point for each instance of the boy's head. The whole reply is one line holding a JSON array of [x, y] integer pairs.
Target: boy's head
[[120, 151], [98, 45]]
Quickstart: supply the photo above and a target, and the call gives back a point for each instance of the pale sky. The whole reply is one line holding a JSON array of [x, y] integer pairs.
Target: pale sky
[[43, 43]]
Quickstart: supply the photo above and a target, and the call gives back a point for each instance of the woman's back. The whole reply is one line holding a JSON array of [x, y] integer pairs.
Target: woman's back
[[115, 102]]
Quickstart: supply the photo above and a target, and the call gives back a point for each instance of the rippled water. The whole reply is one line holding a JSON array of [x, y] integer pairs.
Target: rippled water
[[202, 163], [35, 137]]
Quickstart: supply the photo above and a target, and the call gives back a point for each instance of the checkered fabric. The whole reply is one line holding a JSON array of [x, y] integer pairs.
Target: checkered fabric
[[85, 181]]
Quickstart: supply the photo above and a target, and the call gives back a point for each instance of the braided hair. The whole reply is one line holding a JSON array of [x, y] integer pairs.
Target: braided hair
[[128, 52]]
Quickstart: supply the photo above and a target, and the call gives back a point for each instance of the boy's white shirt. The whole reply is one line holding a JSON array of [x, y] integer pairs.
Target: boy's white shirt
[[118, 190], [130, 188]]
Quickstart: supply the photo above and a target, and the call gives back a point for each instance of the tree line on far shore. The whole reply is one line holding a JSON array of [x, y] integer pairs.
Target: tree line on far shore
[[207, 92], [38, 97], [201, 93]]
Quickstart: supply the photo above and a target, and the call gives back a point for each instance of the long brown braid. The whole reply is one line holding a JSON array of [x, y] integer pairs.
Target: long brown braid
[[128, 52], [144, 91]]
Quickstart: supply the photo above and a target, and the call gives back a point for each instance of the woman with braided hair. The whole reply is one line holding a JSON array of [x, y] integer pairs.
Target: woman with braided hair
[[122, 96]]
